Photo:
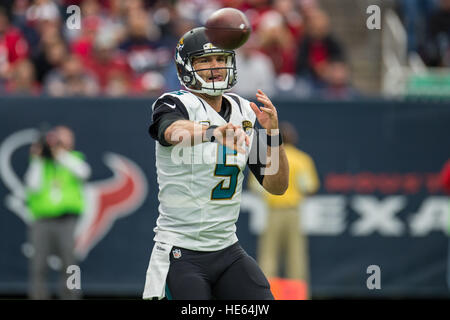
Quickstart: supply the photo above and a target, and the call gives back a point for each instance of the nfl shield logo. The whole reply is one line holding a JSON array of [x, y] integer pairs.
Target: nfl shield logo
[[176, 253]]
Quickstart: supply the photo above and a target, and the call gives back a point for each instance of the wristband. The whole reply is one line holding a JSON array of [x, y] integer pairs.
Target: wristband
[[209, 133], [274, 141]]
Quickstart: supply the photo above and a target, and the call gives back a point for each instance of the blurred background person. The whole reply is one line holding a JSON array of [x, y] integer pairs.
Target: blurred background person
[[19, 18], [71, 79], [317, 47], [337, 84], [107, 23], [23, 80], [255, 71], [41, 23], [117, 84], [437, 42], [290, 10], [277, 41], [82, 44], [415, 15], [13, 46], [54, 181], [48, 58], [106, 63], [145, 52], [283, 238]]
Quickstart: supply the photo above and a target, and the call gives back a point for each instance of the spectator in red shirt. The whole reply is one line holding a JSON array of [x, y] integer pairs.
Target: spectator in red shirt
[[277, 42], [13, 45], [291, 15], [255, 9], [105, 62], [91, 21]]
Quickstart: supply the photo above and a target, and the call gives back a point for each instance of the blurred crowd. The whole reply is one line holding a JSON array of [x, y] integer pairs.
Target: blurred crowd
[[427, 24], [126, 47]]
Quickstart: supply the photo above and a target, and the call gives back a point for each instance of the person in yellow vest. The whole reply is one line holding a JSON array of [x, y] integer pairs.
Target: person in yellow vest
[[54, 181], [283, 235]]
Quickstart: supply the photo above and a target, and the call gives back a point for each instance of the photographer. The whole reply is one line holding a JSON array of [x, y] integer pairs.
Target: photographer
[[55, 199]]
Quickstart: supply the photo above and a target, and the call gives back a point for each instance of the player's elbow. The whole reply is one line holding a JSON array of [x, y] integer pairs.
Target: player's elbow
[[284, 184], [282, 190], [278, 189], [278, 192]]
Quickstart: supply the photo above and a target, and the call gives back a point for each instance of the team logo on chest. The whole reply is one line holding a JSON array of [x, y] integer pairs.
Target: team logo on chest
[[176, 253], [247, 126]]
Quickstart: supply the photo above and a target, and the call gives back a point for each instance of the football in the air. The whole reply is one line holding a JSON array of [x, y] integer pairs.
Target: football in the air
[[228, 28]]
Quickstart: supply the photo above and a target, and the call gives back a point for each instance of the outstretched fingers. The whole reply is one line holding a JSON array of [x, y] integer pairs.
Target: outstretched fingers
[[255, 108], [265, 100]]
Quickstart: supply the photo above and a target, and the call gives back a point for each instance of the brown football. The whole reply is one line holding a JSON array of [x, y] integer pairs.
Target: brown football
[[228, 28]]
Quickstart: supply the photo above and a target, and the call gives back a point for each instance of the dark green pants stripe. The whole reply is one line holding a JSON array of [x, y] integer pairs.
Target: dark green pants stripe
[[168, 295]]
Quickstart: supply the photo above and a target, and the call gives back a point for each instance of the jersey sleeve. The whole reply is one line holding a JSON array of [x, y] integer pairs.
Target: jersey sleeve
[[166, 111]]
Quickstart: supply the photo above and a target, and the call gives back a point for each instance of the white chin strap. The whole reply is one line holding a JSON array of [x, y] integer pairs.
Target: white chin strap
[[208, 88], [214, 88]]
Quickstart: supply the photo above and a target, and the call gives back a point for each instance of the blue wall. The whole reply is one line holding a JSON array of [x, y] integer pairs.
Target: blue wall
[[389, 153]]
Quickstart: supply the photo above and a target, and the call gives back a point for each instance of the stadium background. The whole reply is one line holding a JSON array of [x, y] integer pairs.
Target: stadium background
[[371, 107]]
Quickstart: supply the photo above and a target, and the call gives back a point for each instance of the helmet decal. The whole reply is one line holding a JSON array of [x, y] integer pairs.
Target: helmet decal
[[180, 44], [208, 45]]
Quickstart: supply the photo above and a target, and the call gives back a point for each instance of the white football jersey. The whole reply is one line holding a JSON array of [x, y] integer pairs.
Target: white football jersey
[[200, 186]]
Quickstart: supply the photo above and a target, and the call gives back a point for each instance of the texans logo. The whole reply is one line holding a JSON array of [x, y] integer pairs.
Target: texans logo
[[106, 200]]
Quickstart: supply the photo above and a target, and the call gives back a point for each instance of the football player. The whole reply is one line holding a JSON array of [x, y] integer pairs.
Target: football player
[[205, 139]]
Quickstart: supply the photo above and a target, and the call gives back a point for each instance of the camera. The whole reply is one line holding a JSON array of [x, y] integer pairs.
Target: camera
[[44, 132], [46, 151]]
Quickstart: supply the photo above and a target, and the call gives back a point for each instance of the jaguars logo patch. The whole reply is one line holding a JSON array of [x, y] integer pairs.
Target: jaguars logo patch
[[247, 126]]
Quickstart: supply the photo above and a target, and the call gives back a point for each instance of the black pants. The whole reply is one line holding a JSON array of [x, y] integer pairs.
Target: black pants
[[228, 274]]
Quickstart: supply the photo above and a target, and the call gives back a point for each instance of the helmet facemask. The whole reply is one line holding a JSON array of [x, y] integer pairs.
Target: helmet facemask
[[195, 83]]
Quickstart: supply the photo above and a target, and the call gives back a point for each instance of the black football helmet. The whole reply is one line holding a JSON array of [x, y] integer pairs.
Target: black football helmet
[[194, 43]]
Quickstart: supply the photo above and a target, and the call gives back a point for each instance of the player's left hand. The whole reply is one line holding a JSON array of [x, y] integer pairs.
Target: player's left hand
[[267, 116]]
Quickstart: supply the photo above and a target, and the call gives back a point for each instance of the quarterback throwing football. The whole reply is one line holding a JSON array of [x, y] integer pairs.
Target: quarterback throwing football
[[205, 139]]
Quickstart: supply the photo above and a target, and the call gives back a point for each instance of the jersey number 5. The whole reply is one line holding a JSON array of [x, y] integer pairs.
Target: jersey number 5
[[225, 170]]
